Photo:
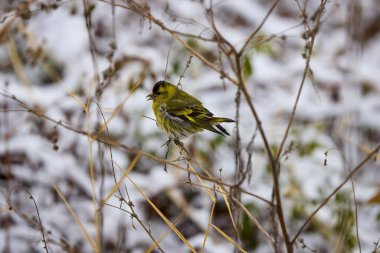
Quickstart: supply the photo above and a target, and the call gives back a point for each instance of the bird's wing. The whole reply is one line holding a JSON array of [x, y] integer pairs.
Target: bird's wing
[[188, 111], [192, 112]]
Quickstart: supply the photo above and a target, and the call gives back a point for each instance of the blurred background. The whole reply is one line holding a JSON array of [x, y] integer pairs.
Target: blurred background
[[82, 161]]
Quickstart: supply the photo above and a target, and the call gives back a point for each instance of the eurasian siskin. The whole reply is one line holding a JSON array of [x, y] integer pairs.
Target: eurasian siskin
[[179, 114]]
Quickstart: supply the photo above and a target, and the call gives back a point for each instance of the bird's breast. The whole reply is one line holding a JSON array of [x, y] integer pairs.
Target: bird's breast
[[174, 127]]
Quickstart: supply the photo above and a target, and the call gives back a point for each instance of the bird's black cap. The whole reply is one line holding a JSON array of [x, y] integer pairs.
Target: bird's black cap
[[156, 87]]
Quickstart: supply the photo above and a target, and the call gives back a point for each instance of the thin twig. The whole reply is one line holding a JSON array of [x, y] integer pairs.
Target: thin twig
[[38, 212], [259, 27], [87, 15], [309, 50], [135, 7], [274, 164], [167, 59], [184, 71], [112, 143], [356, 215], [359, 167], [257, 223]]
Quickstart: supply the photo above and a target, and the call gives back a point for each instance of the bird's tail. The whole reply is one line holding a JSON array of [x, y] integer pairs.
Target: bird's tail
[[215, 121]]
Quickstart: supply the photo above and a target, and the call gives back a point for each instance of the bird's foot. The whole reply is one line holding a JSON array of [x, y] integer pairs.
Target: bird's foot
[[167, 153], [182, 150], [167, 143]]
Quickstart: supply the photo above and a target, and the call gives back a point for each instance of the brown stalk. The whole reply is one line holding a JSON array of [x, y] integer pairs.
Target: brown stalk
[[358, 168]]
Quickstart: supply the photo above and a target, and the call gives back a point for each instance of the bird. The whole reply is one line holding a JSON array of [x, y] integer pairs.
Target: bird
[[179, 114]]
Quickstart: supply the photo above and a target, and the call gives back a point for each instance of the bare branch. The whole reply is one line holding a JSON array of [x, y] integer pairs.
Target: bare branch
[[246, 43], [358, 168]]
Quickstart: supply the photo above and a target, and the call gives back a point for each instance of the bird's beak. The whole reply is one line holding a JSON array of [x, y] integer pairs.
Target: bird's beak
[[150, 97]]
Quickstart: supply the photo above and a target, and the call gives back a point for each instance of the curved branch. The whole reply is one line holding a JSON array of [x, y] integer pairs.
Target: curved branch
[[358, 168]]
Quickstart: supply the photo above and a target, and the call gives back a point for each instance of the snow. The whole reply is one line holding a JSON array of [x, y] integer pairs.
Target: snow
[[343, 127]]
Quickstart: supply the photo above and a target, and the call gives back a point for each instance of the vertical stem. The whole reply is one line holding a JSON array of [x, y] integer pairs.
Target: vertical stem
[[272, 160]]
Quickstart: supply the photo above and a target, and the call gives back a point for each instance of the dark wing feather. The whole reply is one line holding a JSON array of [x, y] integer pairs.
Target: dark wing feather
[[222, 129]]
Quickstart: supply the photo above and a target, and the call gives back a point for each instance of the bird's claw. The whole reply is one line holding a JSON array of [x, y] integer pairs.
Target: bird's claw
[[167, 143]]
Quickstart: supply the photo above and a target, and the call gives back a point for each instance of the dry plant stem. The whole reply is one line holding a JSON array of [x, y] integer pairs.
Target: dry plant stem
[[226, 198], [40, 114], [354, 199], [221, 183], [359, 167], [259, 27], [133, 215], [274, 164], [239, 164], [273, 226], [105, 141], [113, 23], [87, 16], [38, 213], [184, 71], [206, 62], [356, 215], [239, 170], [76, 218], [241, 85], [129, 149], [198, 37], [3, 133], [135, 7], [163, 217], [229, 239], [99, 211], [110, 147], [257, 223], [376, 247], [309, 50], [163, 235], [355, 204], [29, 109], [109, 142], [237, 201], [192, 184], [92, 176], [220, 39], [129, 203], [167, 59], [208, 226]]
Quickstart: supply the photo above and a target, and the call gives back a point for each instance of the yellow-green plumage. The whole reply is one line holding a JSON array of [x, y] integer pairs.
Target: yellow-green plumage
[[179, 114]]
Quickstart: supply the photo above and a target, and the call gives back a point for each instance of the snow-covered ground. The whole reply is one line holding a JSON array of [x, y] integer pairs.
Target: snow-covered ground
[[46, 62]]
